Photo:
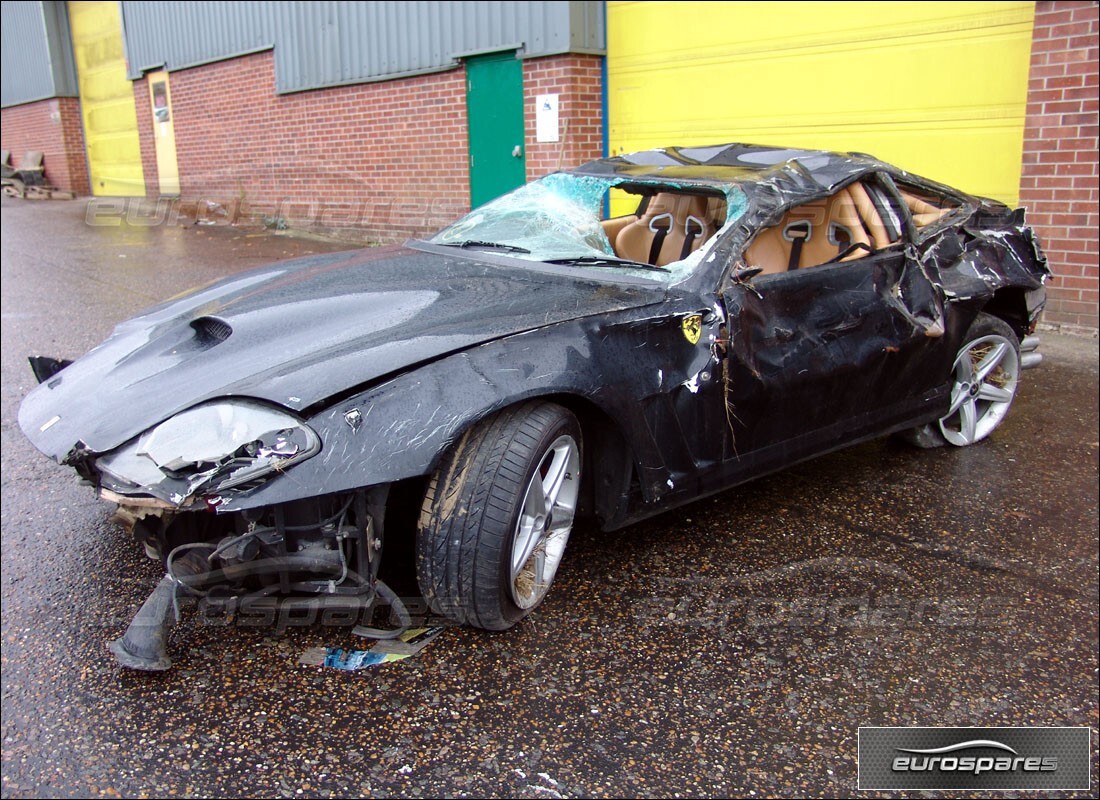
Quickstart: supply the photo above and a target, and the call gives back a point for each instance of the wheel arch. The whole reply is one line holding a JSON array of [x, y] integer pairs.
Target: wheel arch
[[609, 466], [609, 460]]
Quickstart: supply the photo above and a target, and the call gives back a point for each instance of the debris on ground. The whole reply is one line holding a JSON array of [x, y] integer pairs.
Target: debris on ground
[[384, 651]]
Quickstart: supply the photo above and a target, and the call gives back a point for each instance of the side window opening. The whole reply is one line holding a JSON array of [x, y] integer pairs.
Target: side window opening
[[845, 226], [926, 207]]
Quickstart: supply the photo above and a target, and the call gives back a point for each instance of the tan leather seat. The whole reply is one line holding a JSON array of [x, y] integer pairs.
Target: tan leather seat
[[843, 228], [612, 227], [827, 227], [672, 227], [872, 220], [716, 211], [923, 212]]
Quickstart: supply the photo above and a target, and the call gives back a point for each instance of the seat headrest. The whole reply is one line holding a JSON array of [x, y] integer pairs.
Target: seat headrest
[[680, 206], [672, 226]]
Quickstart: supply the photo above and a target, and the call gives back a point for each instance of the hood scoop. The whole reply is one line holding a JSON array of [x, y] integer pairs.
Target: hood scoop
[[211, 330]]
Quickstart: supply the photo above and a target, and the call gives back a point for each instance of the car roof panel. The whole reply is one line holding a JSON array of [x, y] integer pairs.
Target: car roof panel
[[798, 171]]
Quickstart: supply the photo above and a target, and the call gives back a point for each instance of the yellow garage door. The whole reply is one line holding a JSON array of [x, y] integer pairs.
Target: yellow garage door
[[106, 100], [939, 89]]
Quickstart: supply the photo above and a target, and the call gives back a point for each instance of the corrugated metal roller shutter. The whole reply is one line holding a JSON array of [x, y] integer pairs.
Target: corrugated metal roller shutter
[[937, 88], [106, 100]]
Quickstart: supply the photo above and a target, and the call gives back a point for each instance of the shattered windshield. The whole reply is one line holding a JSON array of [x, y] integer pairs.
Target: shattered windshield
[[560, 219]]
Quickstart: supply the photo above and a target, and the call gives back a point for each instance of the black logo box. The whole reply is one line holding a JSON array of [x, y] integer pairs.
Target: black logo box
[[1036, 758]]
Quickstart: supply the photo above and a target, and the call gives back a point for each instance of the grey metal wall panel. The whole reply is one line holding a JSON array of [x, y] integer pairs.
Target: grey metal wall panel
[[26, 73], [59, 39], [331, 43], [185, 34], [588, 33]]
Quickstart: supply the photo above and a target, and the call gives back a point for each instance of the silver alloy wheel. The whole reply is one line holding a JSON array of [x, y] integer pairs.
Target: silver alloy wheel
[[545, 521], [986, 373]]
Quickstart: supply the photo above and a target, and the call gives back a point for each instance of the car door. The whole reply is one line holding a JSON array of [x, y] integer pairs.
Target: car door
[[820, 354]]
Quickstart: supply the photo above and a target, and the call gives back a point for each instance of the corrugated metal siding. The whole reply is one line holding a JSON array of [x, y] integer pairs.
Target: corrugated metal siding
[[185, 34], [26, 71], [587, 32], [59, 38], [331, 43]]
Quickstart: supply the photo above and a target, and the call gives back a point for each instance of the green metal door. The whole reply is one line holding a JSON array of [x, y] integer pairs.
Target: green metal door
[[494, 107]]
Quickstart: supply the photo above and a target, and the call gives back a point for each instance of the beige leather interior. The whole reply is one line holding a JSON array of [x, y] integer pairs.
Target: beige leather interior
[[872, 221], [922, 210], [716, 211], [673, 218], [827, 226], [613, 226]]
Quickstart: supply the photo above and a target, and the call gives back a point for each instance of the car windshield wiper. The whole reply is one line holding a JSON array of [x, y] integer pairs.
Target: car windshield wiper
[[472, 243], [605, 261]]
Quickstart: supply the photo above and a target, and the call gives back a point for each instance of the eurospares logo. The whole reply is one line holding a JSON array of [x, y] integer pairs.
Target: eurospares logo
[[974, 758], [938, 758]]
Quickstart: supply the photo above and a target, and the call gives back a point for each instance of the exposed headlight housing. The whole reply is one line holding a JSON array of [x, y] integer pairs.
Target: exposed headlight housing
[[210, 448]]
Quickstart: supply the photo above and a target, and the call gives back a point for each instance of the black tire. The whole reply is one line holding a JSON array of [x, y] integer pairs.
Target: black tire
[[472, 508], [932, 434]]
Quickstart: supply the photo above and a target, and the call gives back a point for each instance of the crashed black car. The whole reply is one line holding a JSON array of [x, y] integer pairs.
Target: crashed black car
[[465, 398]]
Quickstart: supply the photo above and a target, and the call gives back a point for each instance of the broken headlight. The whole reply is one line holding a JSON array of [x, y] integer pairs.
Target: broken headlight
[[209, 448]]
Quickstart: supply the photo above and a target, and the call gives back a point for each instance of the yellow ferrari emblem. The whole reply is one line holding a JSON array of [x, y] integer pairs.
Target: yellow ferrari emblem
[[693, 328]]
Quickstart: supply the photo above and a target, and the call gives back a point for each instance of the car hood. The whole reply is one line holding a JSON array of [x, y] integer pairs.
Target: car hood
[[297, 333]]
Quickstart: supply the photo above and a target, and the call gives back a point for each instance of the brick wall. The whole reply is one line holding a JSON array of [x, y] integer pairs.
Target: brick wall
[[382, 161], [577, 82], [54, 127], [385, 160], [1059, 186]]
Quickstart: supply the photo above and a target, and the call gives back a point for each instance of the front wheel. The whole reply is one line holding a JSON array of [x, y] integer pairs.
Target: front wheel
[[497, 515], [985, 375]]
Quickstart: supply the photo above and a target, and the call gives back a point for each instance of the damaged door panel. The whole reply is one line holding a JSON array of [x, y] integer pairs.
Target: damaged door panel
[[825, 353]]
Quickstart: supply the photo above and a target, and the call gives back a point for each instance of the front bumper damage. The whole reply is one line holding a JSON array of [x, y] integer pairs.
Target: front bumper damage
[[314, 559]]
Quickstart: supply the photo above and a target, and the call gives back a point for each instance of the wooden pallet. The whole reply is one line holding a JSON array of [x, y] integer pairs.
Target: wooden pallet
[[16, 188]]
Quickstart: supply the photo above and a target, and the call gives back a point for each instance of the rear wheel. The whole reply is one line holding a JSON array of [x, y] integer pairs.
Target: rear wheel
[[985, 375], [497, 515]]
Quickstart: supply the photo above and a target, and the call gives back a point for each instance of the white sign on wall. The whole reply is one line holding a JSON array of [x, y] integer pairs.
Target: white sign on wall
[[546, 118]]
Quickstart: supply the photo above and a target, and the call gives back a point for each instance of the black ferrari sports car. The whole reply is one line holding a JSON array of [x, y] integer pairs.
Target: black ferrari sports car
[[468, 396]]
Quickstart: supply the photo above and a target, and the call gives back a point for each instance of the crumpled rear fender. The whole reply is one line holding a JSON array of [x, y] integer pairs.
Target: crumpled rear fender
[[975, 261]]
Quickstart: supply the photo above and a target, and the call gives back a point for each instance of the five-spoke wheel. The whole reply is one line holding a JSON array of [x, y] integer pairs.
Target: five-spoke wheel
[[986, 372], [497, 515], [545, 522], [984, 378]]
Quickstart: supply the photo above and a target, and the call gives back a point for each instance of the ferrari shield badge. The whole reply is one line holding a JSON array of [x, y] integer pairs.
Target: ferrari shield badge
[[693, 328]]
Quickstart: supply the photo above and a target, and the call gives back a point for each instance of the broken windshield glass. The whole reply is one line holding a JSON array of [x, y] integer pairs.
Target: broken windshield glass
[[557, 219]]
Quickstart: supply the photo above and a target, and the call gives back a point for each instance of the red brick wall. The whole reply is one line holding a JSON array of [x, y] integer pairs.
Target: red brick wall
[[54, 127], [386, 159], [1059, 186], [577, 82]]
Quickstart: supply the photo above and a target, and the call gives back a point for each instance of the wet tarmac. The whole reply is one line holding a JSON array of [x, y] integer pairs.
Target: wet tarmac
[[731, 648]]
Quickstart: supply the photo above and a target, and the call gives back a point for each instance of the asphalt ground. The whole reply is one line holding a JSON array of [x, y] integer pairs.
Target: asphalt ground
[[731, 648]]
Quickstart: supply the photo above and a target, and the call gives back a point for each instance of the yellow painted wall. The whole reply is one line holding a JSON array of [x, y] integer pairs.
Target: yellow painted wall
[[106, 100], [937, 88]]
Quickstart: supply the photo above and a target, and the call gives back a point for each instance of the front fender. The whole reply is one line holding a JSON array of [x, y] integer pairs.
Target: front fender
[[400, 428]]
